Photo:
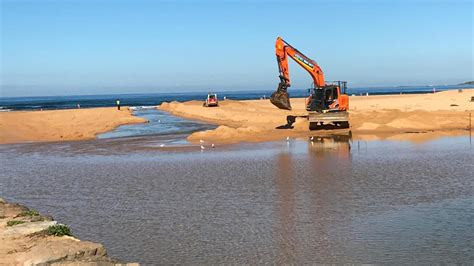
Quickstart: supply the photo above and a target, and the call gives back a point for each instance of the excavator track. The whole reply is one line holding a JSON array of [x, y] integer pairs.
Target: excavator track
[[337, 118]]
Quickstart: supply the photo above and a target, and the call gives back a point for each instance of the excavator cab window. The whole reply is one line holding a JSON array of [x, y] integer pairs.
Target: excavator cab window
[[343, 86], [317, 100], [323, 98], [330, 95]]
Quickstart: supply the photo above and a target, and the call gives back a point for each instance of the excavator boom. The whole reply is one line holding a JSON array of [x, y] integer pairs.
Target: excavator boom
[[283, 50]]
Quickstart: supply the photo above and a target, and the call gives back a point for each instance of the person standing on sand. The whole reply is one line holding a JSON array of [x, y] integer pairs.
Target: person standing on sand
[[118, 104]]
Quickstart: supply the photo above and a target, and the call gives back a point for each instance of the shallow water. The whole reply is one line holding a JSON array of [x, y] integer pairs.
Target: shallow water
[[159, 123], [276, 202]]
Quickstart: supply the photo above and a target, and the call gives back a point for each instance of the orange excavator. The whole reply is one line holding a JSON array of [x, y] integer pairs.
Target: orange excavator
[[328, 103]]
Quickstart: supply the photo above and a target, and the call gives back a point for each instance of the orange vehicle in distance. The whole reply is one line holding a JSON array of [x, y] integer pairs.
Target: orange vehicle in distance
[[328, 103]]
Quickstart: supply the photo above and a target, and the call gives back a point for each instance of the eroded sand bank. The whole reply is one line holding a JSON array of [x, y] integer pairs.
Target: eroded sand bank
[[57, 125], [415, 116], [27, 242]]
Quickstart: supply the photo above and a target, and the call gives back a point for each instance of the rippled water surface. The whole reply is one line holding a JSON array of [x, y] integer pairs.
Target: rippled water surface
[[277, 202]]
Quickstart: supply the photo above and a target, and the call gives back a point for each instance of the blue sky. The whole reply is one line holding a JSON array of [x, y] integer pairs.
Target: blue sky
[[95, 47]]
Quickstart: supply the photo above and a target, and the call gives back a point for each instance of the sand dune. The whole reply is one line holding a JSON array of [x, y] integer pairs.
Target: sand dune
[[56, 125], [385, 116]]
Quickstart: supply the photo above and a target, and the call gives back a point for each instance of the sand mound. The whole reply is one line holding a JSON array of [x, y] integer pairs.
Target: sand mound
[[224, 133], [411, 122], [54, 125], [368, 126], [301, 124], [257, 120], [236, 114]]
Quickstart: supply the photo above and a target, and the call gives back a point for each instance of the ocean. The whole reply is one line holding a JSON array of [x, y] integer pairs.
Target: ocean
[[153, 99]]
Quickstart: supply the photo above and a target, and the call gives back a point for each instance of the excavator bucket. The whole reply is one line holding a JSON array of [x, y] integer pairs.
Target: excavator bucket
[[281, 99]]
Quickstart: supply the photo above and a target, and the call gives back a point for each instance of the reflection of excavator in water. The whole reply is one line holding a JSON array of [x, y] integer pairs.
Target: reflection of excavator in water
[[328, 103], [336, 145]]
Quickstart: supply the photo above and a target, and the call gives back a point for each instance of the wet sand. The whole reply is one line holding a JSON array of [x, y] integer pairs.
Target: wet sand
[[388, 116], [59, 125]]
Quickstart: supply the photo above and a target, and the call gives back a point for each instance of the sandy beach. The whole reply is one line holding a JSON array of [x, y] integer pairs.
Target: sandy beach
[[58, 125], [414, 116], [387, 116]]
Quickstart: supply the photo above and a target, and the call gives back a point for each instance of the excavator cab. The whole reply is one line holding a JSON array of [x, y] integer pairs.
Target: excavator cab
[[330, 98], [329, 104]]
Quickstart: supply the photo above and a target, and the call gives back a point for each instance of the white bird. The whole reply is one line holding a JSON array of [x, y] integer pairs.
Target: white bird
[[213, 145], [162, 145], [202, 147], [287, 138], [312, 138], [201, 141]]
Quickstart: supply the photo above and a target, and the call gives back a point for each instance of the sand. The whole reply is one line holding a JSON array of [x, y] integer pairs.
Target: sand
[[388, 116], [58, 125], [29, 244]]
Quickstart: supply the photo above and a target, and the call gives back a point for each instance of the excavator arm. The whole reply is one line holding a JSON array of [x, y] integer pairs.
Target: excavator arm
[[284, 50]]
